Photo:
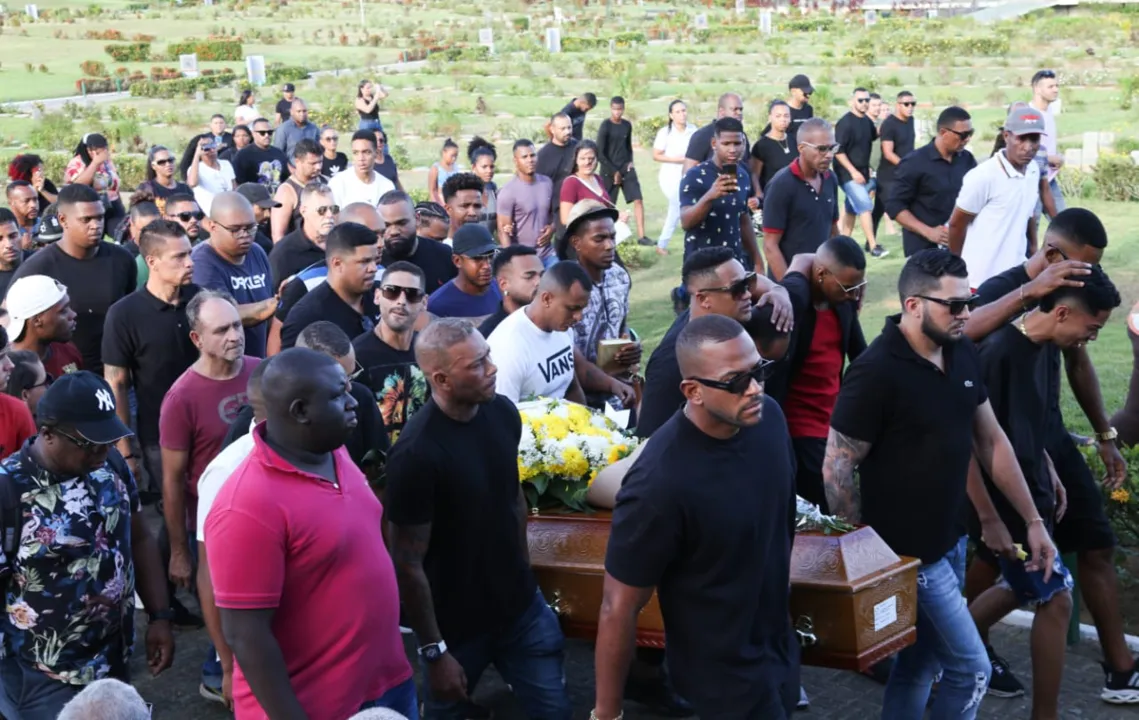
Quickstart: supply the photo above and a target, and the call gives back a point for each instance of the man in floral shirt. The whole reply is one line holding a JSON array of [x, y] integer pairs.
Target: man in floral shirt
[[70, 577]]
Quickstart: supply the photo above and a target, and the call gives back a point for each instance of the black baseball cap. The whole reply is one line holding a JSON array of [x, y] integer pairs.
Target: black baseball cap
[[473, 240], [84, 401], [288, 87], [258, 195], [49, 230], [802, 82]]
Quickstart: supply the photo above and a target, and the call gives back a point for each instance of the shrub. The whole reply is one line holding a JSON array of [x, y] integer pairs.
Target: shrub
[[861, 55], [339, 115], [208, 50], [1125, 145], [131, 52], [1075, 183], [806, 24], [183, 86], [1116, 178], [521, 24], [1122, 505], [103, 35], [94, 68], [633, 256]]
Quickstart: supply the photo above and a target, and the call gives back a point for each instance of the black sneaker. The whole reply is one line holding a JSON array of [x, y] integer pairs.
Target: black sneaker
[[1120, 688], [1002, 683], [879, 252], [646, 241]]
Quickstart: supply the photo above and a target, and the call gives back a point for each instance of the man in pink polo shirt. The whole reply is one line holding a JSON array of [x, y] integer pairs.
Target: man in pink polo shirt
[[305, 587]]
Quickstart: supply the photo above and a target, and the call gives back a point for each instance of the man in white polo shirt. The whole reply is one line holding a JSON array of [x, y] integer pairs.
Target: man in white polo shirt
[[533, 347], [991, 226], [360, 183]]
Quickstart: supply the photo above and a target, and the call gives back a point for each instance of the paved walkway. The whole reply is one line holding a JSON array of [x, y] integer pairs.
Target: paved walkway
[[834, 695]]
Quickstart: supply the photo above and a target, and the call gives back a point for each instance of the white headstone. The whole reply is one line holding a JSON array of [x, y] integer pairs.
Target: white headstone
[[189, 65], [486, 37], [32, 11], [255, 69], [553, 40], [932, 13], [208, 3], [765, 22], [701, 22], [558, 16], [871, 18], [612, 47], [741, 7]]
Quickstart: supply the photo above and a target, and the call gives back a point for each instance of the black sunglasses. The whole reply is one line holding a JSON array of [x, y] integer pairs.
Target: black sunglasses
[[824, 149], [392, 293], [165, 161], [263, 132], [956, 306], [737, 290], [48, 380], [84, 445], [963, 135], [739, 384], [909, 103], [326, 209], [862, 100], [188, 216]]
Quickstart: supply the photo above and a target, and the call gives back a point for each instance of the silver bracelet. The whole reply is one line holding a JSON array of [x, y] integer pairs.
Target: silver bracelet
[[593, 715]]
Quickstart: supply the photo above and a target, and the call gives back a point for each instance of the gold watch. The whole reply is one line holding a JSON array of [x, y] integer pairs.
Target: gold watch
[[1109, 435]]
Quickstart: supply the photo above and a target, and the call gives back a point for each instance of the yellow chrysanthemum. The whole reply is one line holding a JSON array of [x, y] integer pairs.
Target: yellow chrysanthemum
[[1120, 495], [574, 462], [592, 477], [617, 452]]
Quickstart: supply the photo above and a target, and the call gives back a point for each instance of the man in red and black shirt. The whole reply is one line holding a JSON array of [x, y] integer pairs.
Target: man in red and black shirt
[[825, 288]]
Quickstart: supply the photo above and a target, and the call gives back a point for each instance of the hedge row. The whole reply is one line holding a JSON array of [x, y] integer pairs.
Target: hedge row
[[184, 86], [130, 52], [208, 50], [621, 40]]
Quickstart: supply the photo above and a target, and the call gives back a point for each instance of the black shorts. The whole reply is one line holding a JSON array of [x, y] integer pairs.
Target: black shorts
[[630, 186], [1085, 525], [809, 453]]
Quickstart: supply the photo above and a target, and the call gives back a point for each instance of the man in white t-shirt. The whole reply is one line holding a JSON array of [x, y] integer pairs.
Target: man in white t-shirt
[[533, 347], [363, 183], [991, 226], [209, 484]]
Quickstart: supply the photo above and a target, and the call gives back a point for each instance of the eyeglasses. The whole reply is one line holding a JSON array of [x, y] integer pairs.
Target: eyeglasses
[[845, 289], [47, 381], [392, 293], [862, 100], [739, 384], [188, 216], [956, 306], [963, 135], [737, 290], [331, 138], [84, 445], [209, 148], [263, 132], [239, 231], [911, 103], [824, 149], [164, 161], [326, 209], [1057, 249], [357, 371]]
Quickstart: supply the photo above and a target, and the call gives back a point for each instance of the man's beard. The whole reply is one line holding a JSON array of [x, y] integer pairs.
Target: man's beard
[[399, 247], [939, 337]]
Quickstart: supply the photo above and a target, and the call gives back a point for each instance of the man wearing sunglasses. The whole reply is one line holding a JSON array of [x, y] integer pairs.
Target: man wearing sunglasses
[[260, 162], [305, 245], [855, 133], [896, 136], [63, 623], [687, 525], [927, 181], [184, 210], [345, 297], [911, 413], [472, 293], [718, 285], [799, 91], [825, 290]]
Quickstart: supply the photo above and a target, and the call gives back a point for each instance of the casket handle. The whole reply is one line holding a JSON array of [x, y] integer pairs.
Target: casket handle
[[558, 605], [805, 629]]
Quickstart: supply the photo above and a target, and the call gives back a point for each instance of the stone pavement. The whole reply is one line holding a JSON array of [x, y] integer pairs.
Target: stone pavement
[[834, 695]]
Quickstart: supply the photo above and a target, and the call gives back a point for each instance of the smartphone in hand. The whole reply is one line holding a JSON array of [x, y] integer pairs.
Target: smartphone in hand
[[729, 169]]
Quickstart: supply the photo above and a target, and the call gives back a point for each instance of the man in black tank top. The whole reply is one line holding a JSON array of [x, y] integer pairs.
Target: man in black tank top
[[286, 217]]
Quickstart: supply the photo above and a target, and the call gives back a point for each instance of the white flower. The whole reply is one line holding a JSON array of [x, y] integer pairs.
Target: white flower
[[22, 616], [77, 499]]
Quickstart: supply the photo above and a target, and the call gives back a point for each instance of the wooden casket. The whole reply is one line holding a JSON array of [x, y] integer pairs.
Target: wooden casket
[[853, 601]]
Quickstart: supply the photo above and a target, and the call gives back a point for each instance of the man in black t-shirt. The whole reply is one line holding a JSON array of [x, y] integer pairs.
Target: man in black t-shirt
[[913, 463], [261, 162], [615, 153], [897, 137], [1075, 241], [457, 516], [96, 273], [555, 158], [402, 243], [799, 91], [285, 104], [385, 355], [855, 134], [730, 105], [1018, 374], [576, 110], [721, 569]]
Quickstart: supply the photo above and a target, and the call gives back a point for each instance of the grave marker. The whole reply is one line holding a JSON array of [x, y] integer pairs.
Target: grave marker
[[741, 7], [255, 69], [765, 22], [189, 65], [486, 37], [32, 11], [701, 22], [871, 18], [553, 40], [558, 16]]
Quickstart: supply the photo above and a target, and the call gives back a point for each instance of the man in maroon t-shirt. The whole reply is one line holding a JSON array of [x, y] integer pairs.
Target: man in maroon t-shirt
[[196, 413], [825, 289]]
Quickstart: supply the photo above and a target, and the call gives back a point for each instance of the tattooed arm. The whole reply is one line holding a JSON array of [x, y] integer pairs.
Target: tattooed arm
[[843, 455], [409, 547]]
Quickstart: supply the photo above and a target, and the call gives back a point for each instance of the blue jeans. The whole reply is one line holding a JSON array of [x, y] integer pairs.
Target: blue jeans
[[858, 196], [372, 125], [28, 694], [947, 642], [1057, 198], [528, 653], [401, 698]]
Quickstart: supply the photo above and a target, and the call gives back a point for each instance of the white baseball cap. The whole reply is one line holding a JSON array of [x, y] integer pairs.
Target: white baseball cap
[[29, 296]]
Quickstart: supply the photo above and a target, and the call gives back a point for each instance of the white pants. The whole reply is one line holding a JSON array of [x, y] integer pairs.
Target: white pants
[[671, 190]]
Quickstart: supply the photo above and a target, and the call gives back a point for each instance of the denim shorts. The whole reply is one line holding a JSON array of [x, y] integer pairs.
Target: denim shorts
[[1029, 587], [858, 196]]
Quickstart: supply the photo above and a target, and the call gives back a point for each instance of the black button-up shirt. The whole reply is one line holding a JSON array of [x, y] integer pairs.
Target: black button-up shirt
[[927, 185]]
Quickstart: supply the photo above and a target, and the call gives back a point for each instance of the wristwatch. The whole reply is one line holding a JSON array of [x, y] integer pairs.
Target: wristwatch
[[432, 652], [157, 615], [1108, 435]]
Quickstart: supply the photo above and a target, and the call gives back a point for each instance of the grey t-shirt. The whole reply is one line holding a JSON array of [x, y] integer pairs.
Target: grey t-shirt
[[289, 134], [528, 207]]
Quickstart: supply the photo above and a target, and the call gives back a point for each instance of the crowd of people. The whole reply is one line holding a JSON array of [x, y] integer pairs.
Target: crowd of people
[[270, 337]]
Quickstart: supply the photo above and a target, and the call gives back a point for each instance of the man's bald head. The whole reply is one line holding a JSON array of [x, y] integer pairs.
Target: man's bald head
[[731, 105], [364, 214], [230, 208], [696, 336], [290, 377], [434, 342]]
